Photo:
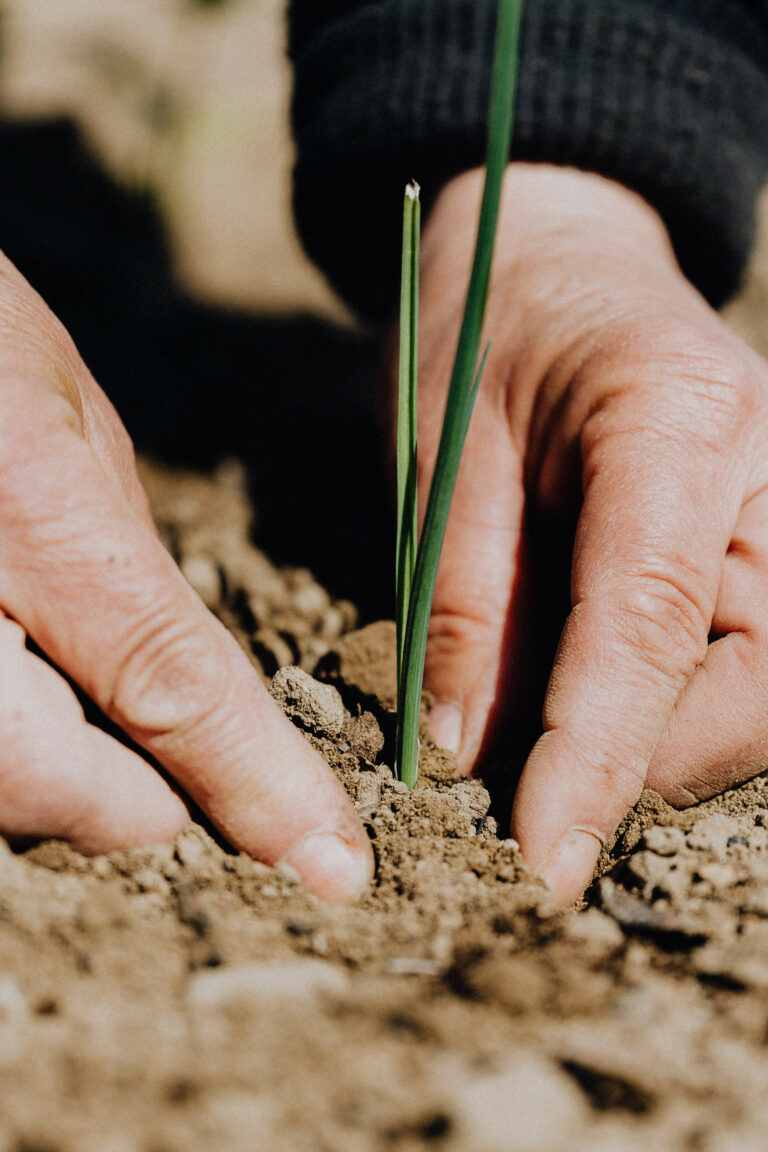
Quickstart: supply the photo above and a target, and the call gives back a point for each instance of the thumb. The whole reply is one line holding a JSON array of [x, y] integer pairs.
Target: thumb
[[473, 611]]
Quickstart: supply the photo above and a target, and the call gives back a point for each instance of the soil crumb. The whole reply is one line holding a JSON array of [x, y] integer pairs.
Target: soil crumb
[[185, 997]]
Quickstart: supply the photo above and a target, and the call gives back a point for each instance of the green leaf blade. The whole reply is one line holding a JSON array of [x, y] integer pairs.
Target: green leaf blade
[[407, 404], [461, 396]]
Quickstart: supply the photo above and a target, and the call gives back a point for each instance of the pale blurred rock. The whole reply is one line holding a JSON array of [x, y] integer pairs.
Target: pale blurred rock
[[13, 1006], [203, 574], [660, 876], [594, 928], [713, 833], [527, 1104], [722, 875], [664, 841], [311, 601], [255, 984], [755, 900]]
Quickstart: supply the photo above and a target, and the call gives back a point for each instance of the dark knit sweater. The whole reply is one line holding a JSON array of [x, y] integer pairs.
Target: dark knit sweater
[[670, 97]]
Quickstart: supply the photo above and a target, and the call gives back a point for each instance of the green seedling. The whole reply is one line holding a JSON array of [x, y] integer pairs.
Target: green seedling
[[407, 511], [416, 567]]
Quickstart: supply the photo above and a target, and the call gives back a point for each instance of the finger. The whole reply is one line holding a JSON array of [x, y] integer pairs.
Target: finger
[[475, 646], [717, 736], [112, 446], [42, 348], [61, 777], [96, 590], [659, 508]]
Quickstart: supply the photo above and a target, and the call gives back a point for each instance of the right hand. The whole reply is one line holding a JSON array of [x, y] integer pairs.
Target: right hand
[[83, 573]]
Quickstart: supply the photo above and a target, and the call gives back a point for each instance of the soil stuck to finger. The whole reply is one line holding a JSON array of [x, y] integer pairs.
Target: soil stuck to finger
[[186, 997]]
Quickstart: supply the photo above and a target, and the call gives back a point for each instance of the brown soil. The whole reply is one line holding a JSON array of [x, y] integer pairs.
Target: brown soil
[[186, 998], [183, 999]]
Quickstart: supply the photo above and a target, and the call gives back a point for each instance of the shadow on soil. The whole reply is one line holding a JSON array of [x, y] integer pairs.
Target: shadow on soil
[[292, 397]]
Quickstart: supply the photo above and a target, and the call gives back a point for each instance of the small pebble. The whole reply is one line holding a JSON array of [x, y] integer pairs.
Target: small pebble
[[664, 841], [311, 601], [719, 875], [333, 622], [658, 875], [411, 966], [287, 873], [526, 1103], [732, 963], [594, 928], [265, 983], [13, 1006], [713, 833], [755, 900], [758, 839]]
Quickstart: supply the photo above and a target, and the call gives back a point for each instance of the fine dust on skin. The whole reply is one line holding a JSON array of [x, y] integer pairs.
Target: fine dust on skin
[[185, 996]]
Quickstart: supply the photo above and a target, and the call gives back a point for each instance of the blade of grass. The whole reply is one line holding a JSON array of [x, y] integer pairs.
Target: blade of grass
[[461, 394], [407, 525]]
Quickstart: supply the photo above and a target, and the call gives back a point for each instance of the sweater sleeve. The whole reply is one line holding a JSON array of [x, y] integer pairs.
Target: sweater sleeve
[[669, 97]]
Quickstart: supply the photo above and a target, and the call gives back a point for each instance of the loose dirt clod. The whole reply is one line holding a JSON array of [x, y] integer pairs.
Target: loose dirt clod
[[308, 702]]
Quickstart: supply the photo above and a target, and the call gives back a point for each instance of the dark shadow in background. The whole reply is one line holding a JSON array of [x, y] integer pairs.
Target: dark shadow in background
[[292, 397]]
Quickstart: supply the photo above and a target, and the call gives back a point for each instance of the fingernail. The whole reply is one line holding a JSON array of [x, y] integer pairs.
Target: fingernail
[[571, 864], [331, 867], [445, 723]]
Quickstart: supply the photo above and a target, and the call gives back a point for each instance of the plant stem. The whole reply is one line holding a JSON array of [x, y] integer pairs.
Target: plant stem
[[407, 400], [461, 394]]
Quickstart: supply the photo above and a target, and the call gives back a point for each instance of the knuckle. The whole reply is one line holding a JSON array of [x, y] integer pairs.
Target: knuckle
[[452, 631], [720, 392], [680, 794], [169, 680], [615, 769], [690, 390], [665, 623]]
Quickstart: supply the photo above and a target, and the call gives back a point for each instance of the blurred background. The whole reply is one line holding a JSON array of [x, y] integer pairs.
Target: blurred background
[[186, 101], [145, 161]]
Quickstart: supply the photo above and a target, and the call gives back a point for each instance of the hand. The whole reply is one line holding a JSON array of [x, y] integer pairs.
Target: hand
[[619, 423], [83, 573]]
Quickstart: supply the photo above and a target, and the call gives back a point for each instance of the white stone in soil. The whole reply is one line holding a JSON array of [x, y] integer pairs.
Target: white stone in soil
[[664, 841], [265, 984], [525, 1104], [712, 833], [203, 574], [593, 927], [755, 900], [14, 1018], [13, 1006]]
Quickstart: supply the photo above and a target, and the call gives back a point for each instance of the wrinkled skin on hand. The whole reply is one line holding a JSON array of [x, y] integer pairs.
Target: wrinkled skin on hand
[[83, 574], [620, 438]]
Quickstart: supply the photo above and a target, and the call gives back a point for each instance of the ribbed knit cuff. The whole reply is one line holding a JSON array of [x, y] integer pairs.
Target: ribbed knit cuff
[[668, 97]]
